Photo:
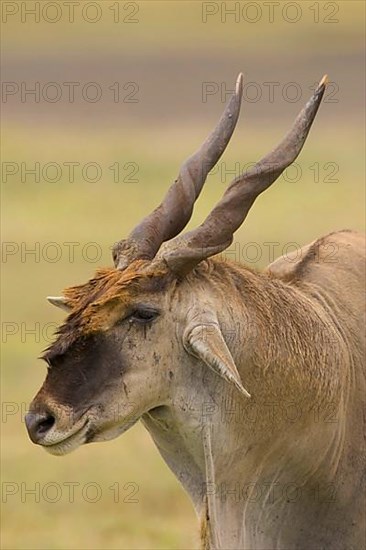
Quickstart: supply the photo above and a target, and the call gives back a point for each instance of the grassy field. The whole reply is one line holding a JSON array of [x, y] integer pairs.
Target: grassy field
[[169, 53]]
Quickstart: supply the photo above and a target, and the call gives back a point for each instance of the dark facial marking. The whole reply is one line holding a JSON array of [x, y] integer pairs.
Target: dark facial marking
[[78, 377]]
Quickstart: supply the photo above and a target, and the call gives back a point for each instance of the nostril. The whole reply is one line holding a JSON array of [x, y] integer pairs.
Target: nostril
[[46, 424], [38, 424]]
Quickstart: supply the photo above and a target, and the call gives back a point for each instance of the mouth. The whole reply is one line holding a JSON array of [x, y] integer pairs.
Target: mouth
[[69, 443], [88, 432]]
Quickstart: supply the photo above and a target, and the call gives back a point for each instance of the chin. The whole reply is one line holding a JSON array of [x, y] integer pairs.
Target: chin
[[106, 434]]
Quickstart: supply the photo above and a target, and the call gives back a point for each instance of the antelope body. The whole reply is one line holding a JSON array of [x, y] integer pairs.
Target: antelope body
[[252, 385]]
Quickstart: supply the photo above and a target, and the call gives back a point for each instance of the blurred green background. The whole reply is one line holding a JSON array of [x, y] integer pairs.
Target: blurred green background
[[160, 54]]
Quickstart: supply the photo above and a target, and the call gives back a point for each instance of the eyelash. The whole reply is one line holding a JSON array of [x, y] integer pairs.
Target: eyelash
[[144, 316]]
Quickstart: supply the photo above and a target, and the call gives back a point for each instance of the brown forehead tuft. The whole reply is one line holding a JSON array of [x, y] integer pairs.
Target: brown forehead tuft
[[93, 303], [106, 284]]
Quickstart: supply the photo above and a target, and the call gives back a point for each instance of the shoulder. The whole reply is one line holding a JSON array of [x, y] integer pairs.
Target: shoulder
[[338, 248]]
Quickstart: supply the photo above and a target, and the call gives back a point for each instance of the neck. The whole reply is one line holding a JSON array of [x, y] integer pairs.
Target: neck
[[225, 449]]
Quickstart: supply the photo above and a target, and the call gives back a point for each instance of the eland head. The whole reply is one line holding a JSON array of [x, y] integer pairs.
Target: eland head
[[146, 331]]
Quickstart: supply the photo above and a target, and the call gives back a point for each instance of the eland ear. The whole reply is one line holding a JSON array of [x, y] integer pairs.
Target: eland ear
[[59, 301], [205, 341]]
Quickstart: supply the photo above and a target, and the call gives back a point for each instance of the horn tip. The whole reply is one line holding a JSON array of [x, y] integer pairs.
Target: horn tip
[[239, 83], [324, 81], [52, 299], [246, 393]]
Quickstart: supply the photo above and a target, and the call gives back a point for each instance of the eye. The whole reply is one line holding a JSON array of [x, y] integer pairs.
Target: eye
[[144, 315]]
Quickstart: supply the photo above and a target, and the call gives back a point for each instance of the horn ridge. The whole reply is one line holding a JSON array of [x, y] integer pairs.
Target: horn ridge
[[216, 232], [174, 212]]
